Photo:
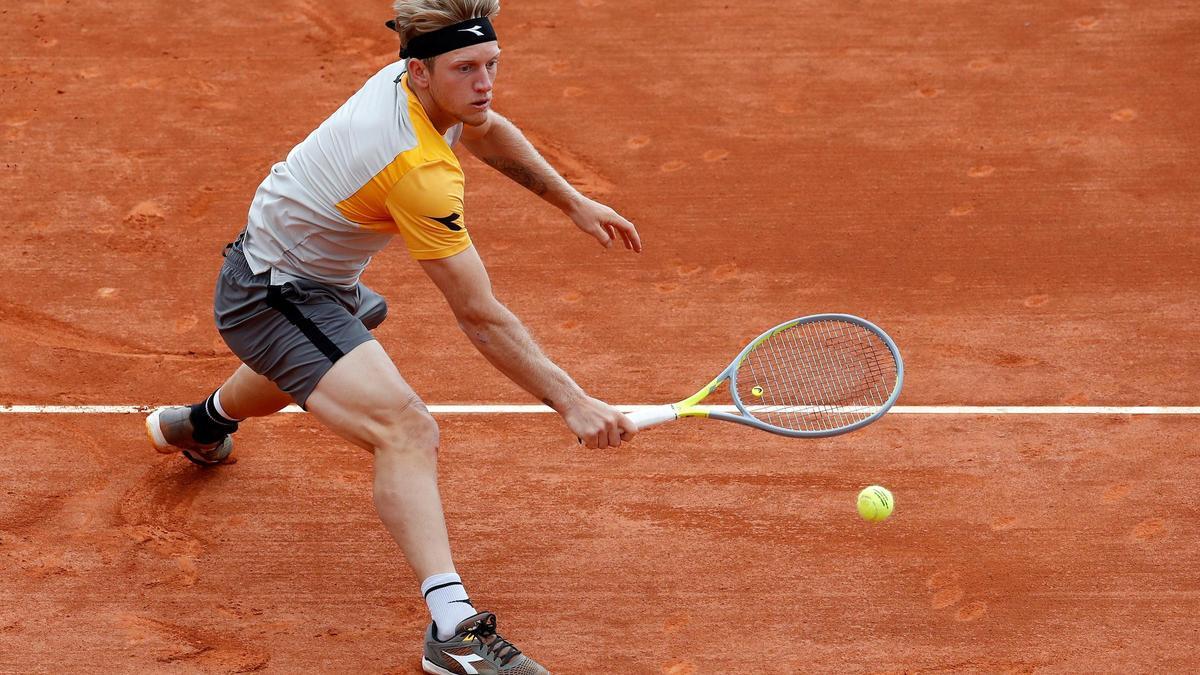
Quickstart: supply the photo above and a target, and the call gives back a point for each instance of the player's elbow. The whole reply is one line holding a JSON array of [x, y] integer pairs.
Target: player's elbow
[[480, 317]]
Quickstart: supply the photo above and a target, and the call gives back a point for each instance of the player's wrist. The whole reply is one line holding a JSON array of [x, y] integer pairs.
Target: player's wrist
[[564, 401], [572, 203]]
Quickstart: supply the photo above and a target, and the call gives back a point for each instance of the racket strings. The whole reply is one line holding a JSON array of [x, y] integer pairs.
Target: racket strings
[[817, 376]]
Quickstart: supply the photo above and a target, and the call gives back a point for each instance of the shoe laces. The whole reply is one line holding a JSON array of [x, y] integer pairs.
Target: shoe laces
[[503, 650]]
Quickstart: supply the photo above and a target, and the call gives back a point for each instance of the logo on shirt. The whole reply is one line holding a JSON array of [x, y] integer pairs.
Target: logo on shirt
[[448, 221], [472, 29]]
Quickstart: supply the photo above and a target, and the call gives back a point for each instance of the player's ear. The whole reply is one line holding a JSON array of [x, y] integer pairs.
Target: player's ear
[[418, 73]]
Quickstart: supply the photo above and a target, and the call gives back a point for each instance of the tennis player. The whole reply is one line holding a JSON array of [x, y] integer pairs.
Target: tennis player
[[290, 304]]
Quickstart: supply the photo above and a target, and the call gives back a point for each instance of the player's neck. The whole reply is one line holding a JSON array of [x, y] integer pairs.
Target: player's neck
[[440, 119]]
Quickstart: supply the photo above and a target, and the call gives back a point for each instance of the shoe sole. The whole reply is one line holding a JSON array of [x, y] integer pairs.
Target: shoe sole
[[431, 667]]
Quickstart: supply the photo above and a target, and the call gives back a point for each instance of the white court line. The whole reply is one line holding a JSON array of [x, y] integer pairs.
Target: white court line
[[536, 409]]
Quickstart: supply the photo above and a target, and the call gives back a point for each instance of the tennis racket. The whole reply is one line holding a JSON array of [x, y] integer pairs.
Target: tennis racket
[[819, 375]]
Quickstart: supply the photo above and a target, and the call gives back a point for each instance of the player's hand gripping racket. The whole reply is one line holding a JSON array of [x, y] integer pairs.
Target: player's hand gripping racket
[[819, 375]]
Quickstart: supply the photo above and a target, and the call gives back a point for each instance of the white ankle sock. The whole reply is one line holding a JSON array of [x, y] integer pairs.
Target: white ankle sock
[[216, 401], [448, 602]]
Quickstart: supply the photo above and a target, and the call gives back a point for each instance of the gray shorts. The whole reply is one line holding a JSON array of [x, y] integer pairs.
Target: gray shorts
[[294, 333]]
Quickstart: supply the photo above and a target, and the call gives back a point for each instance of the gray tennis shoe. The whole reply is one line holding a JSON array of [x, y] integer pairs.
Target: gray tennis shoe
[[476, 648], [170, 430]]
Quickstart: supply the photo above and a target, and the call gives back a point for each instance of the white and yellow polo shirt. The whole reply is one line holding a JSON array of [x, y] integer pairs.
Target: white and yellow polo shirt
[[376, 168]]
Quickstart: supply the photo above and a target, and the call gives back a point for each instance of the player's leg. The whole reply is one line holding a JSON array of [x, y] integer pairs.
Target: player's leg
[[364, 399], [247, 394], [202, 431]]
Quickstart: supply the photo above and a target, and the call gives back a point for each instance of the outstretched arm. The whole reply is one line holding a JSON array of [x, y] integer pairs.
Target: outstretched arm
[[501, 145], [505, 343]]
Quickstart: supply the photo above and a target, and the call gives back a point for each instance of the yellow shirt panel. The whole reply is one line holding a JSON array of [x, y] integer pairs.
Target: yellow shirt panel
[[427, 207], [419, 193], [368, 206]]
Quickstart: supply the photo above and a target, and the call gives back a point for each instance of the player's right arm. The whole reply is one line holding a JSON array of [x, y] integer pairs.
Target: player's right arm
[[503, 340]]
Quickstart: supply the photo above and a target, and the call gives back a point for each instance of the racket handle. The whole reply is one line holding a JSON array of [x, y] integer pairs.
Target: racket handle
[[649, 417]]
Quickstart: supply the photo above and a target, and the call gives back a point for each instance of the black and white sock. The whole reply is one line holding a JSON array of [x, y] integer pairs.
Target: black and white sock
[[448, 603], [209, 421]]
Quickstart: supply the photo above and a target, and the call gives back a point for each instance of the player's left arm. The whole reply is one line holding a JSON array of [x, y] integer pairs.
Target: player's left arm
[[501, 145]]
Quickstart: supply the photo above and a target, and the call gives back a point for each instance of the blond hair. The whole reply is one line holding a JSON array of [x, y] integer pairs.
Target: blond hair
[[414, 17]]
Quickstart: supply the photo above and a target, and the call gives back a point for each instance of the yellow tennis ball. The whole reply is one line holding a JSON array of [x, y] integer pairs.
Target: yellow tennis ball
[[757, 391], [875, 503]]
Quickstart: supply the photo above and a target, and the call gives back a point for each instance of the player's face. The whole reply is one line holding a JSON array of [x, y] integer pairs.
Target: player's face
[[461, 82]]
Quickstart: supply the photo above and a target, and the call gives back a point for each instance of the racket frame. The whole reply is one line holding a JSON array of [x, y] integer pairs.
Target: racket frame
[[689, 407]]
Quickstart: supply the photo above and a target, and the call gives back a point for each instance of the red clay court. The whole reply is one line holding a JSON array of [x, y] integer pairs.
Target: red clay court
[[1010, 189]]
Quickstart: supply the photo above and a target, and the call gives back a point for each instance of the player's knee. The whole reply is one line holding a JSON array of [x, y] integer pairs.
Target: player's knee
[[411, 431]]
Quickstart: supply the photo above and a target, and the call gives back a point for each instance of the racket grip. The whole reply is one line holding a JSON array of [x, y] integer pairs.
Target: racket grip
[[649, 417]]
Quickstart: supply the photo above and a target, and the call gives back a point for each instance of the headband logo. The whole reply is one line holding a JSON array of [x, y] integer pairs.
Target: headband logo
[[472, 29]]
